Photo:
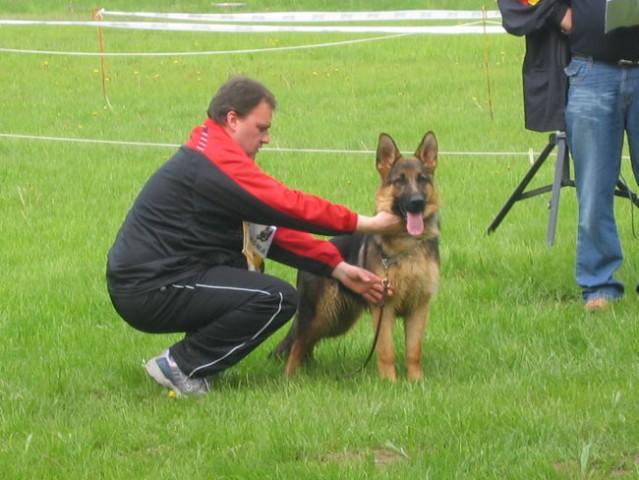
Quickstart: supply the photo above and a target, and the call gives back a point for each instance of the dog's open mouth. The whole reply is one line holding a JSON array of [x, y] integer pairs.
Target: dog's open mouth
[[414, 223], [412, 210]]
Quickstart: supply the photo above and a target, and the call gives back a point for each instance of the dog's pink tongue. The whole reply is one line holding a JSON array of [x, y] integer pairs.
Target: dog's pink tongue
[[414, 223]]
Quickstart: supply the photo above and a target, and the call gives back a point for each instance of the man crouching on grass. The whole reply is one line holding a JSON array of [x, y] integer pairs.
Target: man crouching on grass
[[183, 261]]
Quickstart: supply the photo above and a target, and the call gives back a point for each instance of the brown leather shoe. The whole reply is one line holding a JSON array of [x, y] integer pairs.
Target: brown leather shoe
[[596, 304]]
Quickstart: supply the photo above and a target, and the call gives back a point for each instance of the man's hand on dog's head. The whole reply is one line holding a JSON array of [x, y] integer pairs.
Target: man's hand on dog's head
[[383, 222], [361, 281]]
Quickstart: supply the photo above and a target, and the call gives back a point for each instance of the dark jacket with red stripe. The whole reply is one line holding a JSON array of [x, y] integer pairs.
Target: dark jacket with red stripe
[[189, 216]]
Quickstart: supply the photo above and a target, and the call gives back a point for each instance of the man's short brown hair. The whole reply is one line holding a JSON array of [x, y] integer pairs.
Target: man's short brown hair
[[240, 95]]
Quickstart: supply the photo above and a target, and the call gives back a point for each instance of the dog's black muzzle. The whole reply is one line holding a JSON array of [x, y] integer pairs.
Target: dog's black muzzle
[[416, 204], [410, 204]]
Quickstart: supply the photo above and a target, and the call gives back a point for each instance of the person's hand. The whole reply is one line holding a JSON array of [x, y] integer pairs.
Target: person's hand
[[566, 22], [383, 222], [361, 281]]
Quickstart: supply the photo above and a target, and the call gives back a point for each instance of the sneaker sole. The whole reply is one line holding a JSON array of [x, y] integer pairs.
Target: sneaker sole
[[153, 370]]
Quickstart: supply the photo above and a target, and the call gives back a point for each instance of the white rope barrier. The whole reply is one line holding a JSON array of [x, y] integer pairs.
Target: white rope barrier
[[214, 52], [265, 149], [310, 17], [229, 28], [485, 23]]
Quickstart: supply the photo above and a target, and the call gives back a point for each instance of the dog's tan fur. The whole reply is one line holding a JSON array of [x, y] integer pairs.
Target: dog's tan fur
[[410, 263]]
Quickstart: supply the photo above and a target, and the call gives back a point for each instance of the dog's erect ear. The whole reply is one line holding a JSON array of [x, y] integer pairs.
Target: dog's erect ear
[[427, 152], [387, 154]]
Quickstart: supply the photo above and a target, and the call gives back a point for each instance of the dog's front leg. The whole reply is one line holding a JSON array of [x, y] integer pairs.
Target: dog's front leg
[[414, 327], [384, 347]]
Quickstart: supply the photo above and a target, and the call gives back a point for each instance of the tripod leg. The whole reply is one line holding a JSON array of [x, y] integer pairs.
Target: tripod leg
[[562, 176], [622, 190], [517, 193]]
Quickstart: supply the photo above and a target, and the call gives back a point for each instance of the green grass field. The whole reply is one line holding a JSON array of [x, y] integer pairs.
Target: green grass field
[[520, 382]]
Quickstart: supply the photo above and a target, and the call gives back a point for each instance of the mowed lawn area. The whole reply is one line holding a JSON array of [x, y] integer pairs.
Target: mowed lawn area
[[520, 382]]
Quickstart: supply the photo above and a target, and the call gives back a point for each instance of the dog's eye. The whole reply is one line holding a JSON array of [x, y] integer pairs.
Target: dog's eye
[[421, 179], [400, 180]]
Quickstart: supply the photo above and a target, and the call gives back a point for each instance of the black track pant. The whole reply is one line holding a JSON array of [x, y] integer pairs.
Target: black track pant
[[225, 312]]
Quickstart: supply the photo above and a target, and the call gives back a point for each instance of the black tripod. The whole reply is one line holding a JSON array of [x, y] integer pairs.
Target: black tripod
[[562, 179]]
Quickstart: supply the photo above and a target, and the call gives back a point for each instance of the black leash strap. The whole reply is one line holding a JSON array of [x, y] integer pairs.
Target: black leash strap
[[382, 303]]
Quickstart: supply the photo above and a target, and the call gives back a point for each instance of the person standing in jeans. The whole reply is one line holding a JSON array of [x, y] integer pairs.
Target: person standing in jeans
[[566, 41], [603, 106]]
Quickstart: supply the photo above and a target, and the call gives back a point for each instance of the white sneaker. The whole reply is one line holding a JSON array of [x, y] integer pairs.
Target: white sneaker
[[165, 371]]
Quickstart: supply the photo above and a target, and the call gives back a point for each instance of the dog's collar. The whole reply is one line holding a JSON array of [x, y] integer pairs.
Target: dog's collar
[[388, 262]]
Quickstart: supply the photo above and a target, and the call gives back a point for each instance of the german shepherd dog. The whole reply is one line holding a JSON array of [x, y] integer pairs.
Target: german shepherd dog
[[408, 263]]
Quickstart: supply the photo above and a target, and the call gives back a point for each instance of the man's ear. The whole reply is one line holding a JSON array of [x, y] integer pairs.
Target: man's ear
[[231, 119]]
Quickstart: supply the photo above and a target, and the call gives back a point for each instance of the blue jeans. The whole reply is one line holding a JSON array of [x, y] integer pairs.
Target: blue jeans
[[603, 104]]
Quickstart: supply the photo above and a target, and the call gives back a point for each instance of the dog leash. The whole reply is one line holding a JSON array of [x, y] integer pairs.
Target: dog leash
[[382, 304]]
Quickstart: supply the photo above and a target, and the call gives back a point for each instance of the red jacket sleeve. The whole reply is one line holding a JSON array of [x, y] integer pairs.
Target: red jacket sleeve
[[305, 252], [237, 188], [254, 196]]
